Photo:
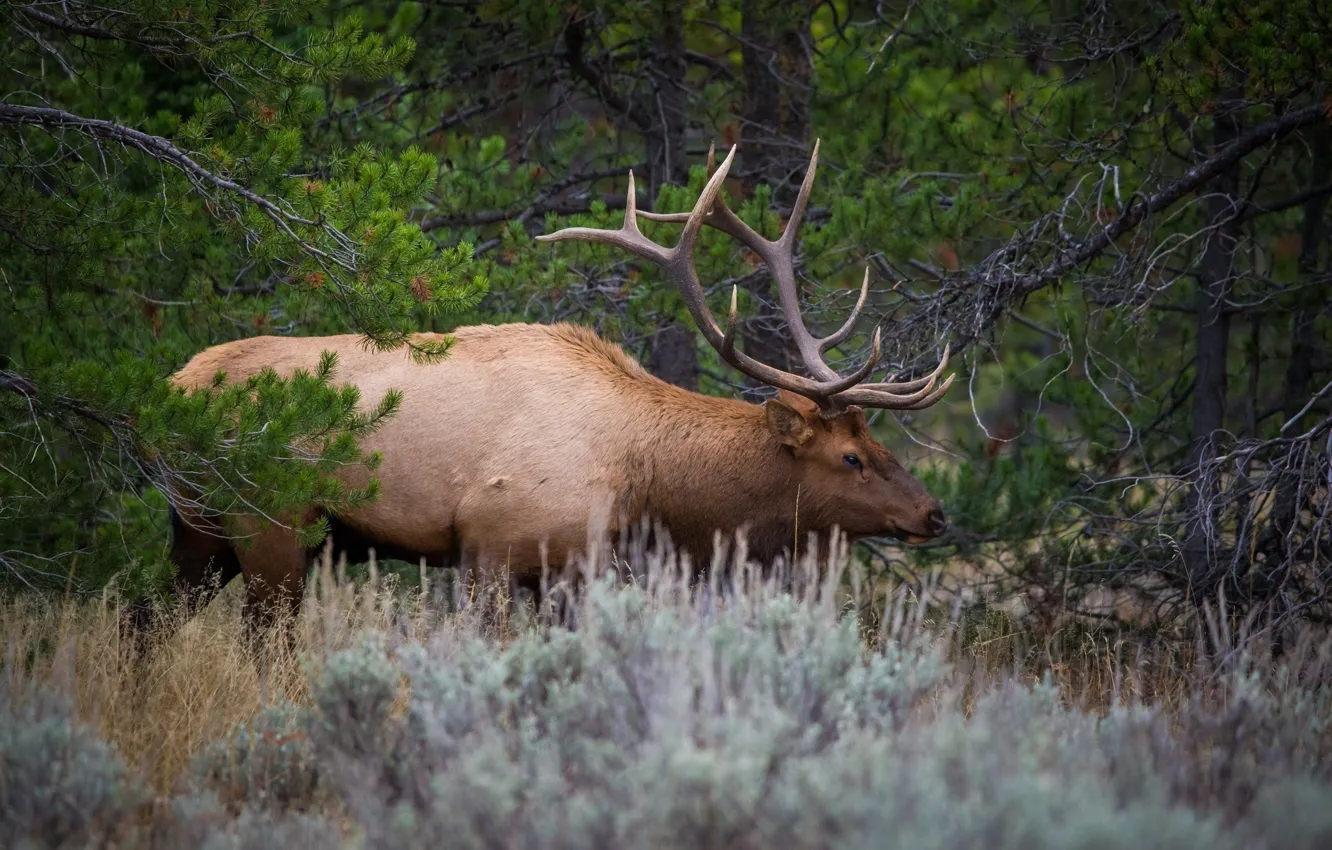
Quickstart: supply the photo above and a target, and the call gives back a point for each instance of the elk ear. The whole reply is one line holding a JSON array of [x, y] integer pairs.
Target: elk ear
[[786, 423], [799, 402]]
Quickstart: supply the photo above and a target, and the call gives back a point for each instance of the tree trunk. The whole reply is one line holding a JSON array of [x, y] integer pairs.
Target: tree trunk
[[775, 115], [1303, 338], [1215, 275], [766, 339], [672, 357], [775, 132], [666, 134]]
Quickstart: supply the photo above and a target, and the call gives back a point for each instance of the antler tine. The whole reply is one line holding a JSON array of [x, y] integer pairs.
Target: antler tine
[[779, 257], [837, 387], [934, 396], [709, 209], [727, 350], [677, 262], [839, 336], [905, 395], [631, 207], [912, 386], [802, 200], [720, 216], [702, 207], [627, 237], [867, 397]]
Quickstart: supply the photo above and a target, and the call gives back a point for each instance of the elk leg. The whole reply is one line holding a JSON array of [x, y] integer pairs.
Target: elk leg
[[205, 563], [552, 579], [275, 564]]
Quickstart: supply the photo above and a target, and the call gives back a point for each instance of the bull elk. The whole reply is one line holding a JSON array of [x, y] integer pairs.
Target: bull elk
[[509, 451]]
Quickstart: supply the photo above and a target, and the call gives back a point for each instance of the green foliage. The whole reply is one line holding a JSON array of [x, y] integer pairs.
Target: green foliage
[[1005, 494], [363, 154], [184, 198], [1263, 50]]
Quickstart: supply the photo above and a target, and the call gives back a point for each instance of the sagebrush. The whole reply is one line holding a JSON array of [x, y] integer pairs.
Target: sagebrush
[[748, 713]]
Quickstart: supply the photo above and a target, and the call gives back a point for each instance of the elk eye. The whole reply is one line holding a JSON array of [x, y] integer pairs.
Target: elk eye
[[851, 460]]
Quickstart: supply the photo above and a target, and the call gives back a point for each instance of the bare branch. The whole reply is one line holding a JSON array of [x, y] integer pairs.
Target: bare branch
[[1006, 288]]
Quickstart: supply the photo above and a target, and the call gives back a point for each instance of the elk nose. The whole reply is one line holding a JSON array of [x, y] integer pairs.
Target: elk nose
[[936, 521]]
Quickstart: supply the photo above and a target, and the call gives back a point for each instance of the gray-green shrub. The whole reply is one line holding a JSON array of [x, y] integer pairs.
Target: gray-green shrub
[[267, 762], [753, 719], [771, 723], [60, 785]]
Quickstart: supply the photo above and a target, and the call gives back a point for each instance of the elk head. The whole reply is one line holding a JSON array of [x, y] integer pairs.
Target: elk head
[[846, 477]]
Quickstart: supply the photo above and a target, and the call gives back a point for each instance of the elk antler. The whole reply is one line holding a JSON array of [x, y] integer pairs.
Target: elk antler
[[830, 390]]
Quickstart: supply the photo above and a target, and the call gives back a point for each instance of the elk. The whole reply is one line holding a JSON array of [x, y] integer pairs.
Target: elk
[[529, 440]]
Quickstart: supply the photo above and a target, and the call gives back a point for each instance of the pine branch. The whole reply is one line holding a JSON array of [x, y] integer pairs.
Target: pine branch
[[392, 95], [541, 205], [15, 383], [1312, 193], [154, 44], [165, 151], [570, 206]]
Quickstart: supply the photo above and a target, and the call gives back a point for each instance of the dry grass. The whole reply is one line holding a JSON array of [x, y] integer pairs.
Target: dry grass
[[196, 687]]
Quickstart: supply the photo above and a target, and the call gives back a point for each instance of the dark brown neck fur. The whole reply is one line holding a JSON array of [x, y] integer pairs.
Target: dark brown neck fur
[[705, 463]]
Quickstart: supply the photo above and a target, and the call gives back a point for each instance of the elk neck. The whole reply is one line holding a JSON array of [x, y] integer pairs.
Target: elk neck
[[702, 464]]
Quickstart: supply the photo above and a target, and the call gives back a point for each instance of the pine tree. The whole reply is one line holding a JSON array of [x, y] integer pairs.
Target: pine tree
[[163, 190]]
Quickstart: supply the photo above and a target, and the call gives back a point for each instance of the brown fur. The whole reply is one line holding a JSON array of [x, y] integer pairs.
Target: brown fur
[[530, 434]]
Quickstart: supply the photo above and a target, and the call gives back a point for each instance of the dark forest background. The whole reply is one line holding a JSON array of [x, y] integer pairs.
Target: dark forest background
[[1115, 213]]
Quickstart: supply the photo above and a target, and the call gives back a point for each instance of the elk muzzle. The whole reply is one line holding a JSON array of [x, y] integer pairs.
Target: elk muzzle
[[935, 520], [932, 524]]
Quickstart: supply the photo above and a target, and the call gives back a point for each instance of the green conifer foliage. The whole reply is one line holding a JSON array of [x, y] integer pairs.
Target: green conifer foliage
[[163, 190]]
